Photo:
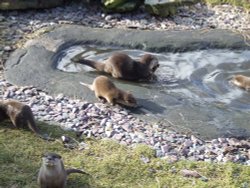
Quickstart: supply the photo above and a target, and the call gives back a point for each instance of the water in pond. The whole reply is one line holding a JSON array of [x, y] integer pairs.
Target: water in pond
[[193, 89]]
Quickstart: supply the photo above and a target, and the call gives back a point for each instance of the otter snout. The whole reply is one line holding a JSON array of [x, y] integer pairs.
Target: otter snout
[[50, 159]]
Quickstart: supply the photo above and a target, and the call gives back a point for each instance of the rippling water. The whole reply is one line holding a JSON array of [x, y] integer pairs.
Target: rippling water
[[193, 87]]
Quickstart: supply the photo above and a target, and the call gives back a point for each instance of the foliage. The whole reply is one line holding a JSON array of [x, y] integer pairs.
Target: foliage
[[242, 3]]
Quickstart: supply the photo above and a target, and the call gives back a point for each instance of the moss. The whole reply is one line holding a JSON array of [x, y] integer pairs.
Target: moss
[[109, 163], [243, 3], [144, 150]]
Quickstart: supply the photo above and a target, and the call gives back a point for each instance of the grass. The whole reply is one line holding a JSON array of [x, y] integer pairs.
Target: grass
[[243, 3], [110, 164]]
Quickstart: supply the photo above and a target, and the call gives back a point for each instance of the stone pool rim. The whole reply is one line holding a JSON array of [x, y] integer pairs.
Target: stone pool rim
[[147, 40], [34, 64]]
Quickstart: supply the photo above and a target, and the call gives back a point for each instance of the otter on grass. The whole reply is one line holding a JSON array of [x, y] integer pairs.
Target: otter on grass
[[121, 66], [52, 173], [20, 115], [106, 90]]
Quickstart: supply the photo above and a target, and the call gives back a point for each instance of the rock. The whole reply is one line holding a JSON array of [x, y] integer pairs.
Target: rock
[[109, 126], [110, 4], [108, 17], [222, 140], [165, 7], [165, 148], [126, 127], [171, 158], [24, 4], [2, 18], [109, 134], [159, 153], [187, 143], [145, 159], [229, 149], [190, 173], [7, 48], [60, 96], [103, 122], [121, 5], [196, 140], [203, 178], [118, 136], [83, 146]]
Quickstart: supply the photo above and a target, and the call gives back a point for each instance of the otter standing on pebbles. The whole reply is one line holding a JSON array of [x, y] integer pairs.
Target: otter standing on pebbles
[[105, 89], [20, 115], [52, 173], [241, 81], [121, 66]]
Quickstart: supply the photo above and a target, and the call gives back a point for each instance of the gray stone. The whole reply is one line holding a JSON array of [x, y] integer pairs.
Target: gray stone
[[165, 7], [120, 5], [7, 48], [159, 153], [24, 4], [118, 136], [109, 134], [165, 148]]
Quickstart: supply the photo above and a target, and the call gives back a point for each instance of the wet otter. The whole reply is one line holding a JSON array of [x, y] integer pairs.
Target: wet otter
[[105, 89], [121, 66], [52, 173], [241, 81], [20, 115]]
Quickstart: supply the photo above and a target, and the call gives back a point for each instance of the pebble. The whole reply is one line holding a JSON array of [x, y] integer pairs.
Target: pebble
[[101, 121]]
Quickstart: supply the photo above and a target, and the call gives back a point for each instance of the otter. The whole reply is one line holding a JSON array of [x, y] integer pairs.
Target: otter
[[20, 115], [52, 173], [106, 90], [241, 81], [121, 66]]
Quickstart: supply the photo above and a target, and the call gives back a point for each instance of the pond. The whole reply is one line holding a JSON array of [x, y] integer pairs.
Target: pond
[[192, 92]]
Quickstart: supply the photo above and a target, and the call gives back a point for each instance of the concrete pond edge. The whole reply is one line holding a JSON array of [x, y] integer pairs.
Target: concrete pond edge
[[34, 64]]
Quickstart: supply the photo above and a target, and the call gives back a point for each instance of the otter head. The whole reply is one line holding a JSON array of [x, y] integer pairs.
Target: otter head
[[152, 64], [241, 81], [129, 100], [51, 159]]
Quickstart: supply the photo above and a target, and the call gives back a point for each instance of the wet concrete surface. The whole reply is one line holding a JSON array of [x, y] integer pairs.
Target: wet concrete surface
[[36, 64]]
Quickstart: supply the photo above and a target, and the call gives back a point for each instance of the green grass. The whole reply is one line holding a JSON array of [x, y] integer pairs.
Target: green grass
[[243, 3], [110, 164]]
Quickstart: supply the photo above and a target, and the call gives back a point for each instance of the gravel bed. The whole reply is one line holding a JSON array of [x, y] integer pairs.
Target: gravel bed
[[103, 121]]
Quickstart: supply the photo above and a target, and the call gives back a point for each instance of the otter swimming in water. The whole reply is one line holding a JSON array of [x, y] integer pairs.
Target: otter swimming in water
[[241, 81], [121, 66]]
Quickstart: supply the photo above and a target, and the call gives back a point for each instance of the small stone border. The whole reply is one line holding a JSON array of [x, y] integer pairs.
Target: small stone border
[[102, 121], [19, 24]]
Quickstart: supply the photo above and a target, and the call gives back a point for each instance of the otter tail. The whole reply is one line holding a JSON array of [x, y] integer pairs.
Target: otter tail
[[72, 170], [87, 85], [33, 127], [94, 64], [31, 121]]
